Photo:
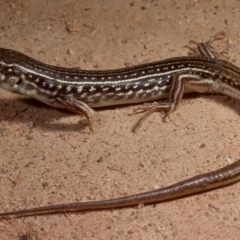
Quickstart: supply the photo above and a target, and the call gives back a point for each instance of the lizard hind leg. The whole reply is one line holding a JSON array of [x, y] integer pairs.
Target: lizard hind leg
[[179, 82], [174, 98], [206, 49]]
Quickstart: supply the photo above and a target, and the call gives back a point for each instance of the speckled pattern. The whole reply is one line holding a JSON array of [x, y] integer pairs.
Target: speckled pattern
[[48, 156]]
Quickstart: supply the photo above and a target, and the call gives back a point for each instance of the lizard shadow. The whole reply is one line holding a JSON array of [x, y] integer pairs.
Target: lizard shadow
[[46, 117]]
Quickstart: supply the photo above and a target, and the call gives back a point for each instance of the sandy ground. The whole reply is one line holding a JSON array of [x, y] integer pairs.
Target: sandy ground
[[48, 156]]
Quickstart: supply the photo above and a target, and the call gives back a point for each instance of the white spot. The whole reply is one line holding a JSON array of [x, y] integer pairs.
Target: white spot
[[92, 89], [102, 78], [110, 94], [105, 89], [84, 95], [2, 77], [23, 76], [9, 70], [68, 89], [79, 89], [97, 95], [118, 89], [151, 80], [130, 93], [59, 86], [162, 88], [93, 78]]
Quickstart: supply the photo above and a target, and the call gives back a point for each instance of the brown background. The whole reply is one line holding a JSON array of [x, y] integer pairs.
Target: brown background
[[48, 156]]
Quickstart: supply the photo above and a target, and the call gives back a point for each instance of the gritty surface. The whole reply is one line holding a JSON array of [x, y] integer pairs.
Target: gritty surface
[[48, 156]]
